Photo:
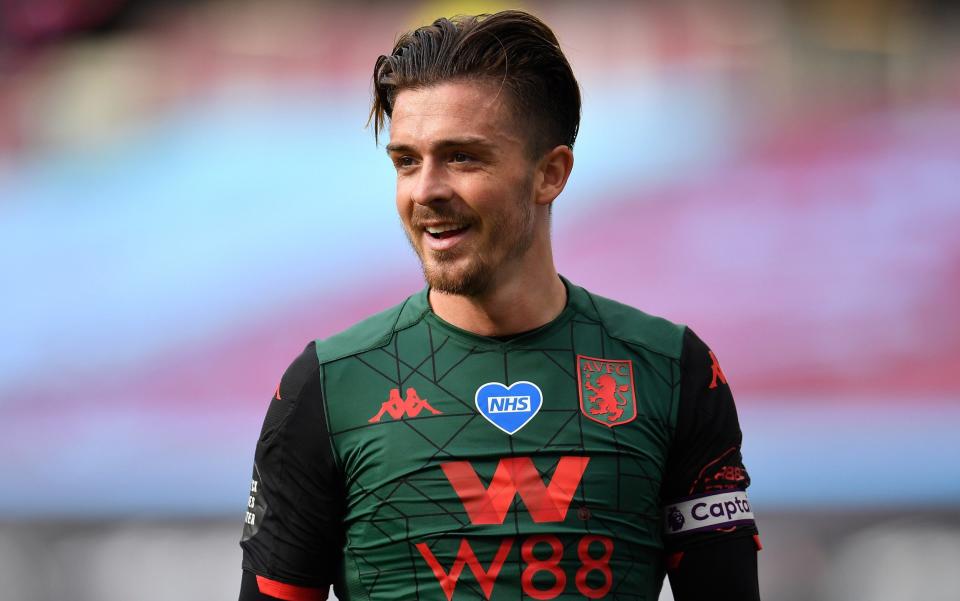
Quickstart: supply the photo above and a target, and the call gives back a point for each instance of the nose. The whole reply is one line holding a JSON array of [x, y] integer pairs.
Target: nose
[[432, 184]]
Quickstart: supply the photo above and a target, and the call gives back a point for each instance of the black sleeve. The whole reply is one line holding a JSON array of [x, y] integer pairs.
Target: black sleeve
[[293, 527], [707, 517], [719, 570]]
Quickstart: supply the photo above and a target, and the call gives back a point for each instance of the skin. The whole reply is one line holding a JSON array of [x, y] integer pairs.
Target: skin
[[463, 159]]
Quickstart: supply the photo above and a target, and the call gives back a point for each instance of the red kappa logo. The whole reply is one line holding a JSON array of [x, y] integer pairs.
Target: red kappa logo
[[411, 406], [717, 372], [606, 390]]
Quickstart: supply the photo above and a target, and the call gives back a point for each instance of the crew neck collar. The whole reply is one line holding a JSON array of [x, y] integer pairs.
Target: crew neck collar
[[577, 299]]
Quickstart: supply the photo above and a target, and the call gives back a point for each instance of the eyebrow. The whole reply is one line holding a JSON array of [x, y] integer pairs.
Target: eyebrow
[[443, 144]]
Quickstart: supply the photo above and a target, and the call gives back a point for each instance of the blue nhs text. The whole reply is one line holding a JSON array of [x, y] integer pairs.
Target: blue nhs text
[[508, 404]]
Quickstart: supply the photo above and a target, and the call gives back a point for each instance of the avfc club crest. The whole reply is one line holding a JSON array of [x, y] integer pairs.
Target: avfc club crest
[[606, 390]]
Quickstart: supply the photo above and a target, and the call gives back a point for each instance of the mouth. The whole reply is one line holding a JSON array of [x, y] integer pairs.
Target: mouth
[[441, 232], [444, 236]]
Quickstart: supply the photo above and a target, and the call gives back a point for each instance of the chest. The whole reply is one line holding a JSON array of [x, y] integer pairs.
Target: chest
[[593, 416]]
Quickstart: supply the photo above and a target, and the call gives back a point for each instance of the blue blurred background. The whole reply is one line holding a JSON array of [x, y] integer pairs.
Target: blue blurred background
[[188, 196]]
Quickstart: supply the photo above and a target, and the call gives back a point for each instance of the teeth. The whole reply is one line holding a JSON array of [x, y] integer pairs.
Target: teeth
[[439, 229]]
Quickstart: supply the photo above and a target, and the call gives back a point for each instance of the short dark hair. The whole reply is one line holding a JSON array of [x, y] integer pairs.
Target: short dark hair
[[511, 48]]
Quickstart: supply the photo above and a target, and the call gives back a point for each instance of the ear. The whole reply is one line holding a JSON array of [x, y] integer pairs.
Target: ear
[[552, 173]]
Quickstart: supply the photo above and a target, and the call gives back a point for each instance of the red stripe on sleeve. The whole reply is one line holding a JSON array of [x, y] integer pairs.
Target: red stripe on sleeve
[[756, 541], [674, 559], [290, 592]]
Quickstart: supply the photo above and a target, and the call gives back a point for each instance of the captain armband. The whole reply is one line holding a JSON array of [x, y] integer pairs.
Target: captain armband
[[710, 511]]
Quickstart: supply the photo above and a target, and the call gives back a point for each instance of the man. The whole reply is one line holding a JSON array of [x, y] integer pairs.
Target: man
[[503, 434]]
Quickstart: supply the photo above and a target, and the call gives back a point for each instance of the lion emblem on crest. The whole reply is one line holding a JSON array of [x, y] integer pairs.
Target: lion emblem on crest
[[607, 396]]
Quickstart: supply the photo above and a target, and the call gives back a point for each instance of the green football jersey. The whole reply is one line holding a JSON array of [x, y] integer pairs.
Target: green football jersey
[[411, 459]]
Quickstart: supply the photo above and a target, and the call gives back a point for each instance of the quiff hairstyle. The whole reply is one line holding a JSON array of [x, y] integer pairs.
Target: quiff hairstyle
[[512, 49]]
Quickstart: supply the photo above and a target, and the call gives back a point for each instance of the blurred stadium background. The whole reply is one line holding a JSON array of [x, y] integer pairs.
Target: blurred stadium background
[[188, 195]]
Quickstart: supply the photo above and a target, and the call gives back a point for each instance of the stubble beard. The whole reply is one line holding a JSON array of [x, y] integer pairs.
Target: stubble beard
[[475, 277]]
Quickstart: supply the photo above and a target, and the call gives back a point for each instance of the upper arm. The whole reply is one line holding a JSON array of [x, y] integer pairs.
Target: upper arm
[[293, 529], [704, 488]]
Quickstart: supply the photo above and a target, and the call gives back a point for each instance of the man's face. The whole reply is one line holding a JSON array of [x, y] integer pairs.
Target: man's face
[[464, 183]]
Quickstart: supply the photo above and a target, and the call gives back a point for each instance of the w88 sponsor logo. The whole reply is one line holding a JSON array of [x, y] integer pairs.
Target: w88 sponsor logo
[[539, 571], [546, 503]]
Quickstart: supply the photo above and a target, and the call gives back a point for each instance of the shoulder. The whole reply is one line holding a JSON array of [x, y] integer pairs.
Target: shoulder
[[302, 371], [374, 331], [695, 353], [297, 392], [633, 326]]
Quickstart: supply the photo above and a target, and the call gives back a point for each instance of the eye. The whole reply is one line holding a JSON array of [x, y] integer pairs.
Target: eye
[[460, 157], [403, 161]]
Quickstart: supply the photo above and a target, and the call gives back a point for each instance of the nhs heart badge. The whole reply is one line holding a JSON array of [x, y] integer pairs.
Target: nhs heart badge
[[509, 407]]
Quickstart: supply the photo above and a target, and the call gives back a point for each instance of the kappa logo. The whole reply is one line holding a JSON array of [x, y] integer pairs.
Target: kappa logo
[[606, 390], [398, 408], [717, 372], [509, 408]]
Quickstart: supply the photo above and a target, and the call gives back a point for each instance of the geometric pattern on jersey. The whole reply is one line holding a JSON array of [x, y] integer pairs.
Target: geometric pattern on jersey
[[444, 505]]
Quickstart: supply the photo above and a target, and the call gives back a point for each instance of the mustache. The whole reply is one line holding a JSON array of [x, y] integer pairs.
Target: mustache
[[422, 215]]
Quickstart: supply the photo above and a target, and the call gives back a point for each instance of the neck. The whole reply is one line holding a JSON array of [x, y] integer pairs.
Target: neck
[[516, 305]]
